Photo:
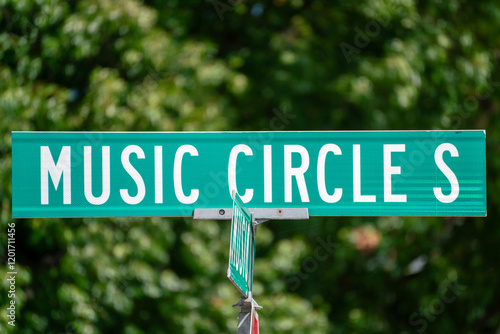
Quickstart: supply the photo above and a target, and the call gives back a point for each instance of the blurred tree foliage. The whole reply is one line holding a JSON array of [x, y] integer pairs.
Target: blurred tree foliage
[[238, 65]]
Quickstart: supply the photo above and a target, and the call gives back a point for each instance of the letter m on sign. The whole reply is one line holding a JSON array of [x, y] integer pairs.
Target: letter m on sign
[[55, 170]]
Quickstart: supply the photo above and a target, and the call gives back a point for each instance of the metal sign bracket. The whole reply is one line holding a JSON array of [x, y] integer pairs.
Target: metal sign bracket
[[260, 215], [247, 307]]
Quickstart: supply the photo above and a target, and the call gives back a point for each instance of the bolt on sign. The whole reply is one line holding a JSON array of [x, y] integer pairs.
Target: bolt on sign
[[242, 248], [332, 173]]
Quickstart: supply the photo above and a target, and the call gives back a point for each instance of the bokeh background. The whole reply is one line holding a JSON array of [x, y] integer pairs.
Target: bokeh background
[[177, 65]]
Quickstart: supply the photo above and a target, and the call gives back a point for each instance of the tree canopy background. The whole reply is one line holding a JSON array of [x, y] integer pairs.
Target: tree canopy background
[[240, 65]]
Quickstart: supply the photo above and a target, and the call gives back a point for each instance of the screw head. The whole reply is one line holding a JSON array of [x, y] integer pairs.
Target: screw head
[[222, 212]]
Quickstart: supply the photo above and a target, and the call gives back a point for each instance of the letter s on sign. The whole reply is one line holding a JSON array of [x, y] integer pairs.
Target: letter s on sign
[[455, 188], [141, 188]]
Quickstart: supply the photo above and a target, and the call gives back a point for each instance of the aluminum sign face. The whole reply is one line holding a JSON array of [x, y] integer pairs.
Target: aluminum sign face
[[242, 248], [332, 173]]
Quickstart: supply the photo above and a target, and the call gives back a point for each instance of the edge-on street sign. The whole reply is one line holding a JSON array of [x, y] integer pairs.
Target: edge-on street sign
[[242, 248]]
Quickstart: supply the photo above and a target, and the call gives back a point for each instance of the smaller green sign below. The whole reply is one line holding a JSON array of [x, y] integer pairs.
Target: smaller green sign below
[[242, 248]]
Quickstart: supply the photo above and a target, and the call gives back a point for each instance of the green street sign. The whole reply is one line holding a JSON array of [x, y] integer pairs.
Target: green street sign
[[331, 173], [241, 249]]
